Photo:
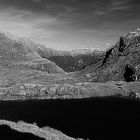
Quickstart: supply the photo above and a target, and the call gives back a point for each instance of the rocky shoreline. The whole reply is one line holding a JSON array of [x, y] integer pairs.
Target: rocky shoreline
[[69, 91]]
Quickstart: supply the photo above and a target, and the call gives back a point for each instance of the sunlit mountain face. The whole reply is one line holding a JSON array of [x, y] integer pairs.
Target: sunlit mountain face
[[70, 24]]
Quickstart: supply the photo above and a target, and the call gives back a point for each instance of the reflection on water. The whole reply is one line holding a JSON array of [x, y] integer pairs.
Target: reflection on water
[[95, 118]]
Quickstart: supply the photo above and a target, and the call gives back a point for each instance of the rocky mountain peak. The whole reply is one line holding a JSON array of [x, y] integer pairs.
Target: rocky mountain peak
[[132, 34], [128, 43], [7, 35]]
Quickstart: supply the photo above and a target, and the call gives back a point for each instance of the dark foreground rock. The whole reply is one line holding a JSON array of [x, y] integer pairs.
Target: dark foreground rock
[[24, 131]]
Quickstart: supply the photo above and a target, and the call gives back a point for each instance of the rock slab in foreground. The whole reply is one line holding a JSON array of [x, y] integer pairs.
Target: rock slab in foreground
[[45, 132]]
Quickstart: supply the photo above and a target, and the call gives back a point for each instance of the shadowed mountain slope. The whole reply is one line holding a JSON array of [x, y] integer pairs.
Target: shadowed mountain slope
[[72, 60], [121, 61]]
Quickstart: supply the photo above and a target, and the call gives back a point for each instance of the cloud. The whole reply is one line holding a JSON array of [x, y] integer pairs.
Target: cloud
[[69, 23], [119, 8], [25, 23], [119, 2], [100, 12], [108, 44], [37, 1], [41, 28], [114, 6], [119, 5]]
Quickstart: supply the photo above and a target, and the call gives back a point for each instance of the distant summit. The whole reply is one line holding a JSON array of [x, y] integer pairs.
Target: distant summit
[[80, 51], [133, 34]]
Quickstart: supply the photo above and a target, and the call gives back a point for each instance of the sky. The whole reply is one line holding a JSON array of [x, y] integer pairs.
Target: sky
[[70, 24]]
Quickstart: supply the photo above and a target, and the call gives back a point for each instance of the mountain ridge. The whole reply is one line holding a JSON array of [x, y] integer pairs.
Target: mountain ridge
[[119, 60], [24, 49], [15, 50], [40, 78]]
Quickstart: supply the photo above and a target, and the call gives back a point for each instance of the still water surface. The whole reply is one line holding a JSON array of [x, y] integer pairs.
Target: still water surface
[[95, 118]]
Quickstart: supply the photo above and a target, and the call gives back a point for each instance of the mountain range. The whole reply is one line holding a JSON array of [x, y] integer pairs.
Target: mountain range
[[22, 53], [72, 60], [22, 49], [29, 70]]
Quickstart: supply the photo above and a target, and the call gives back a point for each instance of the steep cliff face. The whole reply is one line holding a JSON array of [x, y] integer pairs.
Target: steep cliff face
[[121, 61]]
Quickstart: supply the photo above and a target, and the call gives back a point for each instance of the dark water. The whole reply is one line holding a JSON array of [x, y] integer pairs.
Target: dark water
[[96, 118], [6, 133]]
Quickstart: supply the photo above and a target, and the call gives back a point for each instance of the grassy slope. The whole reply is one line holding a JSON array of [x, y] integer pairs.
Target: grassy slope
[[35, 84]]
